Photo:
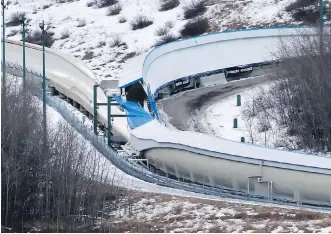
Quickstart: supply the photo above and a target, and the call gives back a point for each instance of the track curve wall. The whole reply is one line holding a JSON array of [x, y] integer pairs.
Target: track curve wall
[[194, 156], [69, 76]]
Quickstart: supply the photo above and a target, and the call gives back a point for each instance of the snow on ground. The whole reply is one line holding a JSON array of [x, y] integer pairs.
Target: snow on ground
[[100, 30], [217, 119], [164, 213]]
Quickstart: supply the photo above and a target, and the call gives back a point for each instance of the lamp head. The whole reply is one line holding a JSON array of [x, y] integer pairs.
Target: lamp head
[[41, 25]]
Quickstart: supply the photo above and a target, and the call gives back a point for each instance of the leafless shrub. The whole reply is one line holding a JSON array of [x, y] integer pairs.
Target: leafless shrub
[[306, 11], [127, 56], [16, 19], [65, 34], [88, 55], [64, 1], [140, 21], [166, 5], [169, 24], [90, 3], [35, 37], [116, 42], [101, 44], [122, 19], [81, 23], [166, 39], [46, 6], [101, 3], [61, 189], [299, 4], [299, 98], [195, 27], [114, 9], [12, 32], [194, 8], [161, 31]]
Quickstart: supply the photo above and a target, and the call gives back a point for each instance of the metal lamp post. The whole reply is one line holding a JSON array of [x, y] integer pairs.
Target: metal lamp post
[[321, 27], [3, 5], [42, 27], [24, 23], [321, 13]]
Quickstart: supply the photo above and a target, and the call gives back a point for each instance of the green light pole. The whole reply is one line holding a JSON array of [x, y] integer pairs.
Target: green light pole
[[321, 27], [3, 5], [109, 120], [42, 27], [321, 13], [23, 39]]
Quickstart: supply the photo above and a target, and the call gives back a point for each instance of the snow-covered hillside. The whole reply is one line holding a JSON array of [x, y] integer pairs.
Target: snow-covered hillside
[[105, 44]]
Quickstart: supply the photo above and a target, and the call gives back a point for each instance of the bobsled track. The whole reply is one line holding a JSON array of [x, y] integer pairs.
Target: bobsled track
[[199, 163]]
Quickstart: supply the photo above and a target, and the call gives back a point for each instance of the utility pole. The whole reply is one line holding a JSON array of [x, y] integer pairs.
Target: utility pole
[[109, 119], [42, 27], [23, 39], [321, 27], [3, 5], [44, 149]]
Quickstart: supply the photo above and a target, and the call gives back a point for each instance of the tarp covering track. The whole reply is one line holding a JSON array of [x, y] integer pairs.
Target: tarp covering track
[[137, 116]]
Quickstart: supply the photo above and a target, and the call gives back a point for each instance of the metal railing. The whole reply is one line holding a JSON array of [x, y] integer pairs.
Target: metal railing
[[132, 168]]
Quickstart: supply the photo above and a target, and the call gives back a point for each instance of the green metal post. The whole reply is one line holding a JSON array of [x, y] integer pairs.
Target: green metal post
[[23, 39], [44, 67], [109, 120], [321, 13], [235, 123], [95, 109], [3, 45], [238, 100], [321, 27]]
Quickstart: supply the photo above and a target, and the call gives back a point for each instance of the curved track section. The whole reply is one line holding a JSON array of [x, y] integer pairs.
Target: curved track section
[[192, 156], [70, 77], [217, 162]]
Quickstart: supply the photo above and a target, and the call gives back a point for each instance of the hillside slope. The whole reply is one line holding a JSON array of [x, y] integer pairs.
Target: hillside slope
[[83, 29]]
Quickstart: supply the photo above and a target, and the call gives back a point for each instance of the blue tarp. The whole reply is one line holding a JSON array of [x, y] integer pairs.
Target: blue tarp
[[153, 104], [137, 116]]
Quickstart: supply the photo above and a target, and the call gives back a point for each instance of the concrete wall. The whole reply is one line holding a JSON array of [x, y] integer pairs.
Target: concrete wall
[[286, 183]]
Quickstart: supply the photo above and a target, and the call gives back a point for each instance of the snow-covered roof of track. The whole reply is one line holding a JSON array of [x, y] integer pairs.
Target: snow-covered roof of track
[[131, 71], [198, 142]]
